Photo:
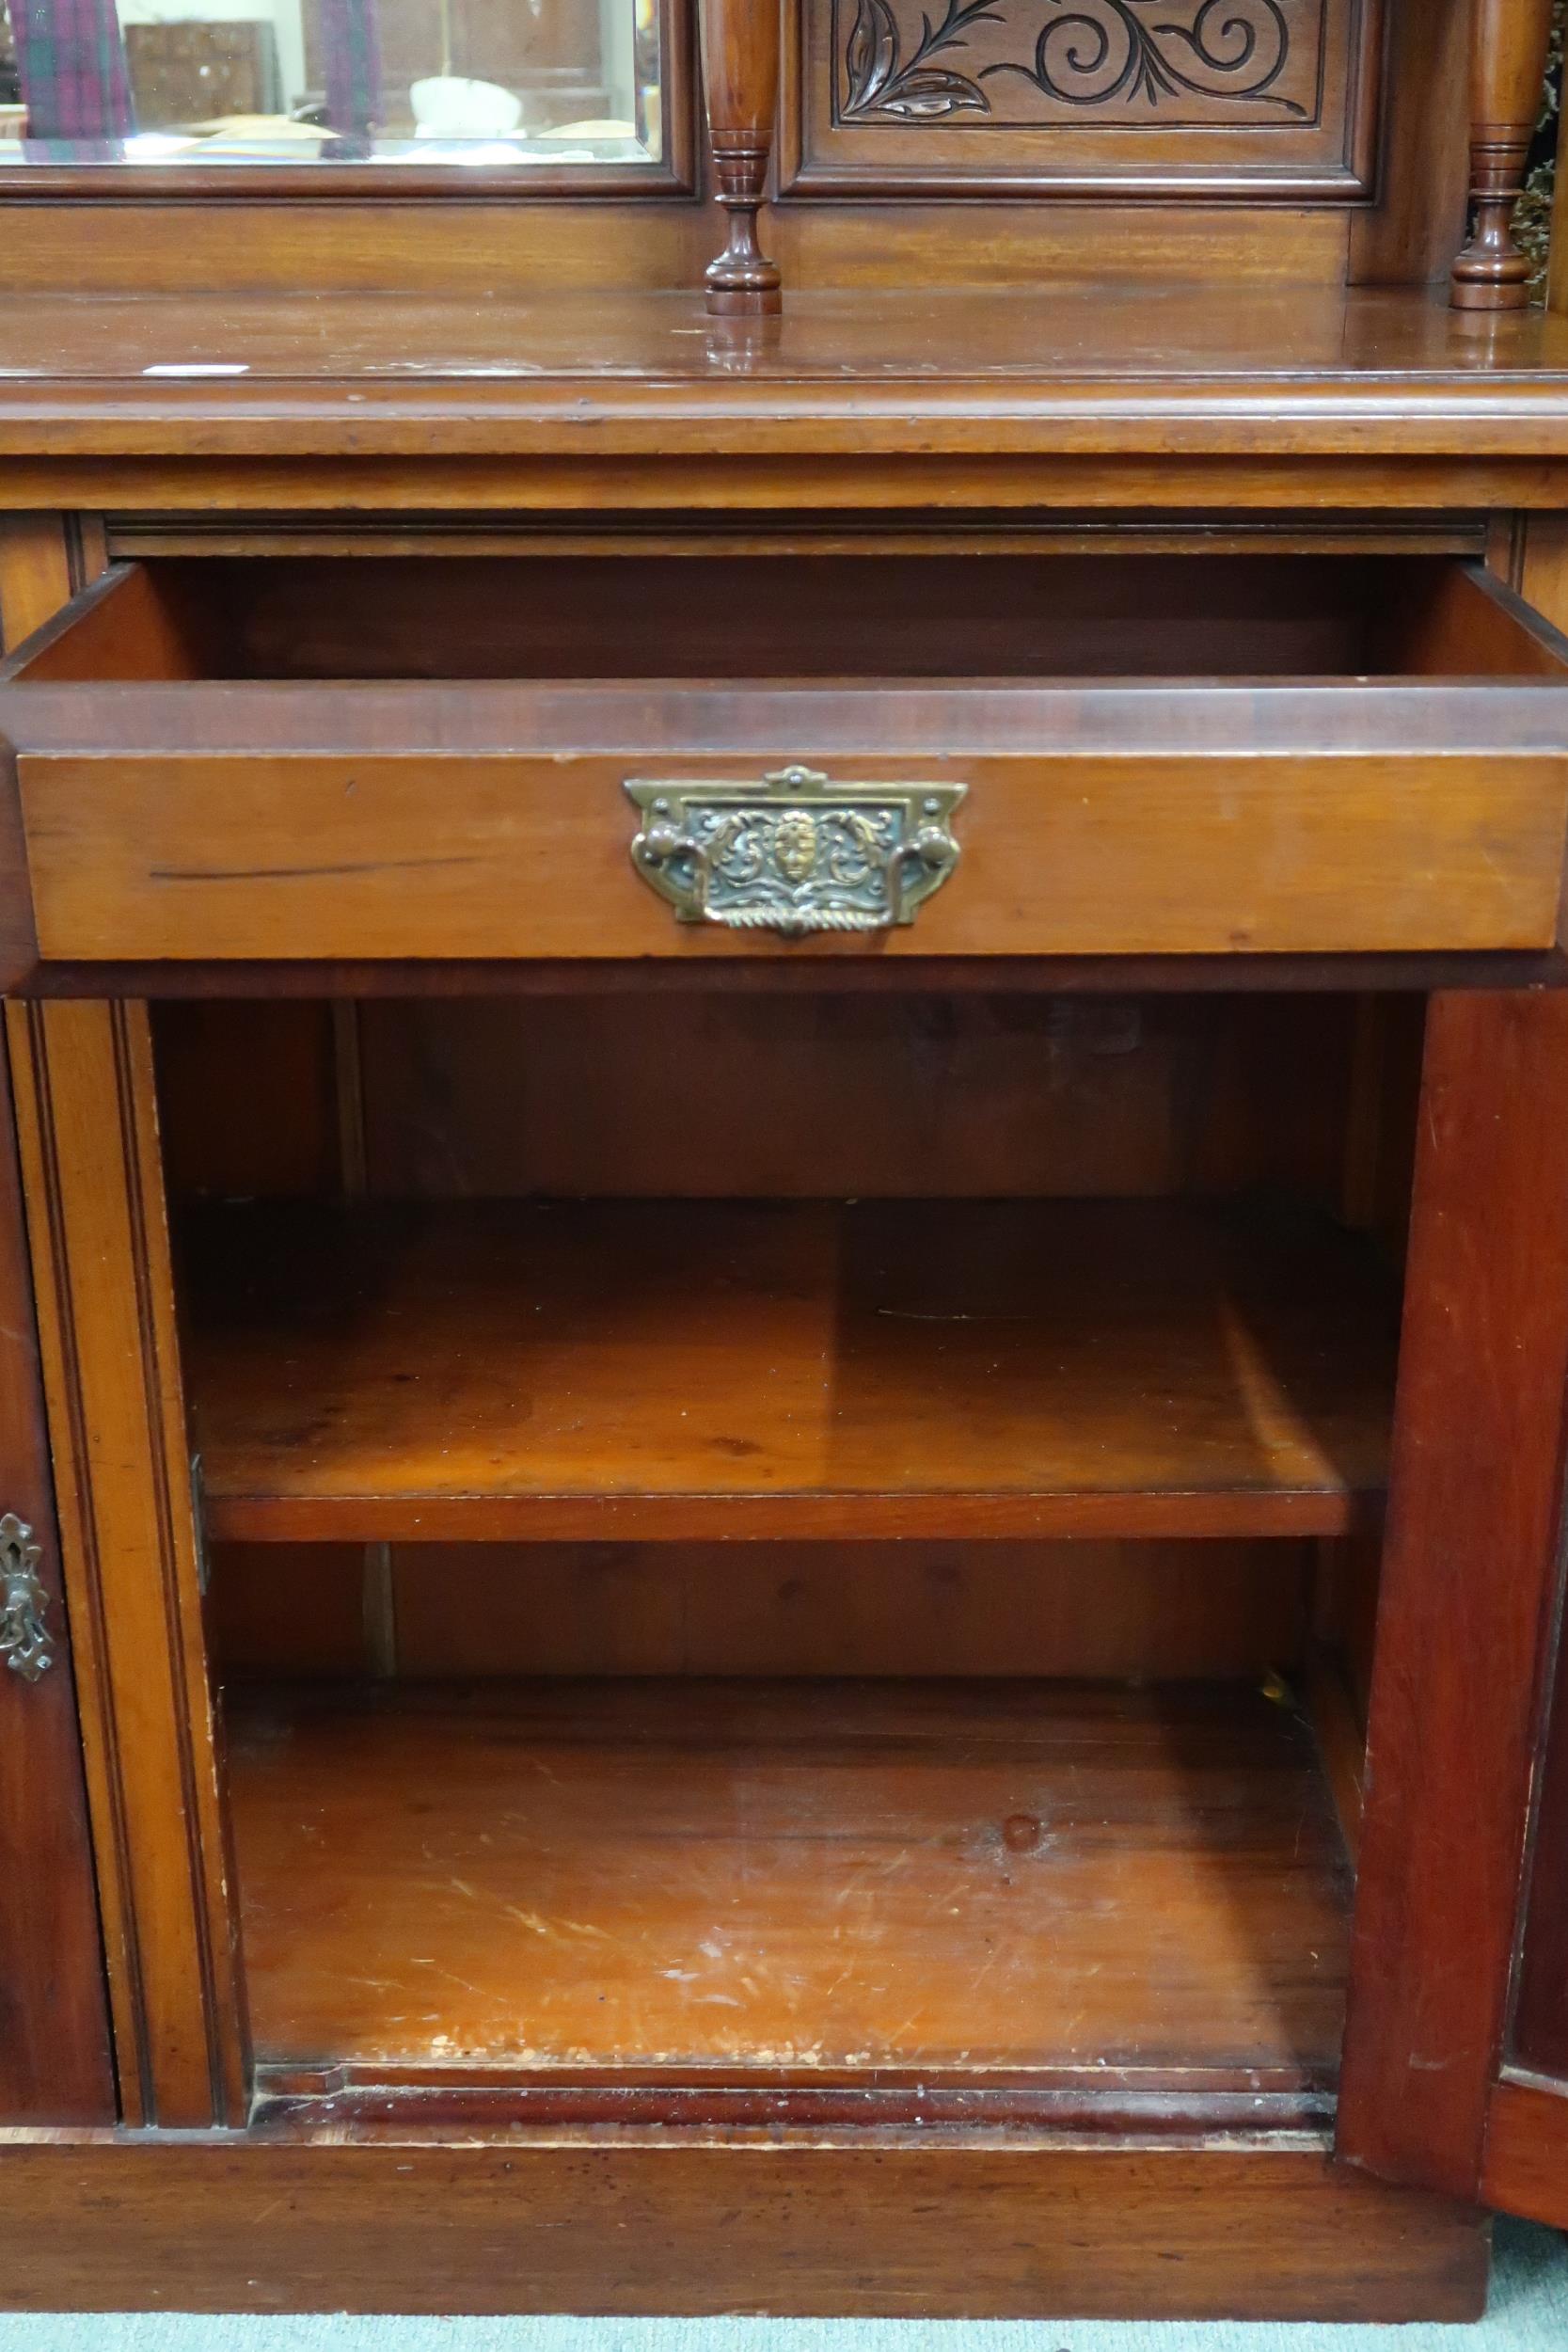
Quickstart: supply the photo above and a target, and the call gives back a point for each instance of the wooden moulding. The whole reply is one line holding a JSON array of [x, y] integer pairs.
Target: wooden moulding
[[91, 1175], [640, 2224]]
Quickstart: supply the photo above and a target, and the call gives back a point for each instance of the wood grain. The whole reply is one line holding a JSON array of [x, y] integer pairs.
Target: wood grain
[[1525, 2167], [1171, 1611], [797, 1877], [1236, 356], [1507, 65], [1411, 236], [90, 1169], [1469, 1578], [903, 1092], [1005, 107], [1179, 814], [739, 51], [868, 2226], [212, 859], [54, 2056], [36, 581], [1537, 2037], [574, 1370]]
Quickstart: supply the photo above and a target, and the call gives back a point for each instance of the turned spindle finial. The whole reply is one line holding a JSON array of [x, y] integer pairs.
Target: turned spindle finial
[[1508, 70], [740, 78]]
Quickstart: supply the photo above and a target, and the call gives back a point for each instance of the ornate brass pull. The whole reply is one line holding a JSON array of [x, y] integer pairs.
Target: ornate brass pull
[[795, 852], [23, 1641]]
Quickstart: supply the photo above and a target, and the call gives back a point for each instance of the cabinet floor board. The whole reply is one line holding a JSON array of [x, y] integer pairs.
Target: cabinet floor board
[[817, 1879]]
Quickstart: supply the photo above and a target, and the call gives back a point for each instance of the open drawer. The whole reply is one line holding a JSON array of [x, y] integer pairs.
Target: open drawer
[[342, 757]]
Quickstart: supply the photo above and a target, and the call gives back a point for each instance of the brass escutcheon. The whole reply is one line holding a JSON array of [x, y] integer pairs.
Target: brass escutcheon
[[25, 1644]]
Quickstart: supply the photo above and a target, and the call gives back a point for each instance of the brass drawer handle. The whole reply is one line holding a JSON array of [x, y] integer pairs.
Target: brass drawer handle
[[795, 853], [23, 1643]]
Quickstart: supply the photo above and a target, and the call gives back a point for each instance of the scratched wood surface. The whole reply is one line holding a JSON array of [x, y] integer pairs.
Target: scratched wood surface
[[575, 1369], [808, 1874]]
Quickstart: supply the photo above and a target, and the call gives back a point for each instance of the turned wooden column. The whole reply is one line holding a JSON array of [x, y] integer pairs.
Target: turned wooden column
[[1508, 66], [741, 80]]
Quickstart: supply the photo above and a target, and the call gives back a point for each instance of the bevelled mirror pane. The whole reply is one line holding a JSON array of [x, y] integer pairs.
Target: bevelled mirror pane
[[483, 83]]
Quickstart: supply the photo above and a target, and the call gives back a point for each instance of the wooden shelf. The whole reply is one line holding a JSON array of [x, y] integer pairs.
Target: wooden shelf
[[684, 1370], [812, 1880]]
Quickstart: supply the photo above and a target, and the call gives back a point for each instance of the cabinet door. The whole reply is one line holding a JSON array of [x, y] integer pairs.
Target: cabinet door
[[54, 2065], [54, 2047], [1525, 2164], [1456, 2055]]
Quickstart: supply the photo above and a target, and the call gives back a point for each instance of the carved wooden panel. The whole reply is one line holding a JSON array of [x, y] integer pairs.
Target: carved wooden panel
[[1266, 98]]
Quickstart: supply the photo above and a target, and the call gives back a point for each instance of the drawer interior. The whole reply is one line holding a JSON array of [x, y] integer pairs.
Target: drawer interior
[[784, 616], [820, 1547]]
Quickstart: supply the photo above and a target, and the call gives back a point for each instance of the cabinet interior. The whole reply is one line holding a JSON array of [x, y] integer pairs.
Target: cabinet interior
[[280, 618], [805, 1547]]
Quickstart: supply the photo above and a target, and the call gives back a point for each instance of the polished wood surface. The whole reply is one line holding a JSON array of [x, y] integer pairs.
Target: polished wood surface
[[901, 102], [186, 819], [89, 1158], [808, 1879], [775, 609], [1232, 2232], [740, 86], [1470, 1572], [1507, 63], [54, 2056], [1414, 848], [947, 377], [905, 1093], [1177, 368], [657, 1368], [1538, 2036], [1225, 1611], [37, 576], [1525, 2165]]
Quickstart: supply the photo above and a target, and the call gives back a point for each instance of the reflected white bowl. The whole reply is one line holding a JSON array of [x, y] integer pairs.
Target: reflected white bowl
[[448, 106]]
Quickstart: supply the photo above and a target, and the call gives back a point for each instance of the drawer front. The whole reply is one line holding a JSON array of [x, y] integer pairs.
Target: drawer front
[[324, 855]]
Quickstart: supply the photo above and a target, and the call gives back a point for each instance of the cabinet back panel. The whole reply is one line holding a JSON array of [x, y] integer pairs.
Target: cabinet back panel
[[705, 1095], [1116, 1611]]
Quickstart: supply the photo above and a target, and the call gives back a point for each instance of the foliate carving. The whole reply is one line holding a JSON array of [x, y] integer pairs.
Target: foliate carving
[[1130, 61]]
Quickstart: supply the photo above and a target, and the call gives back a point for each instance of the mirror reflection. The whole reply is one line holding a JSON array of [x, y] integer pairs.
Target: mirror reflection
[[483, 82]]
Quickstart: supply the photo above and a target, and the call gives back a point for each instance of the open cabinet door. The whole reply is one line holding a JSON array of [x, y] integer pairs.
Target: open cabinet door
[[1456, 2054], [1524, 2167]]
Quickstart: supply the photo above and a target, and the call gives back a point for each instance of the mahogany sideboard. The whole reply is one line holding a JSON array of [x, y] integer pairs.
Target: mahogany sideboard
[[785, 1230]]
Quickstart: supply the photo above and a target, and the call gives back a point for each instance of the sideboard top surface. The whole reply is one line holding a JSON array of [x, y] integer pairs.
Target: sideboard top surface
[[1161, 369]]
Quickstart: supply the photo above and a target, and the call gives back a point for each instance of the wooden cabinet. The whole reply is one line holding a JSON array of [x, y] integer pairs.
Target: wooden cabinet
[[784, 1234]]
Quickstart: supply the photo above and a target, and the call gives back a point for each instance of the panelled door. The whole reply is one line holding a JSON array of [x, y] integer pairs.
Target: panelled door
[[1456, 2057], [55, 2061], [54, 2044], [1525, 2159]]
